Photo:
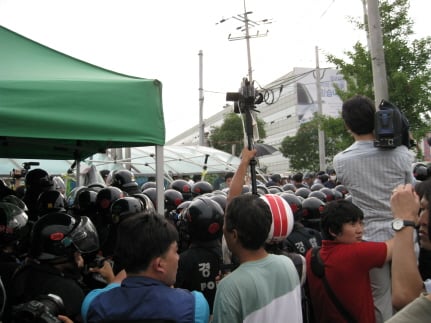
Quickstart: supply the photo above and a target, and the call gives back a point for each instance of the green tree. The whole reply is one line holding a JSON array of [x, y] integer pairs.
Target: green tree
[[407, 65], [303, 148], [232, 132]]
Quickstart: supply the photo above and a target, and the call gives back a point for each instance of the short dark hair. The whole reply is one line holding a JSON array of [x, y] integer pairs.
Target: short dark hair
[[298, 177], [251, 217], [335, 214], [358, 114], [228, 175], [141, 238], [276, 178]]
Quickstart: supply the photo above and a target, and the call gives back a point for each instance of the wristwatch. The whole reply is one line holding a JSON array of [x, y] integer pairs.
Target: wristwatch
[[399, 224]]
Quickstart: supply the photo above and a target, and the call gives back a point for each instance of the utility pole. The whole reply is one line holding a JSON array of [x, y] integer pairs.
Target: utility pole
[[243, 18], [322, 163], [201, 101], [377, 53]]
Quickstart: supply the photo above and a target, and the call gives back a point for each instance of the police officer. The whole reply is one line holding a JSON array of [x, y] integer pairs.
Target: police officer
[[200, 264], [302, 237], [57, 241]]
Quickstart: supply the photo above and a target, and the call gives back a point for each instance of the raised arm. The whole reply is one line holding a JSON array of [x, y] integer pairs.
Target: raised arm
[[237, 183], [407, 282]]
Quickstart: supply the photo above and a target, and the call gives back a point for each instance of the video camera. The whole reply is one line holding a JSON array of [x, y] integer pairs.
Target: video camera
[[246, 97], [43, 309], [391, 127], [18, 173]]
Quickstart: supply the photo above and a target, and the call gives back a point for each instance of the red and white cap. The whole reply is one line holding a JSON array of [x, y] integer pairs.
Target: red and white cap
[[282, 217]]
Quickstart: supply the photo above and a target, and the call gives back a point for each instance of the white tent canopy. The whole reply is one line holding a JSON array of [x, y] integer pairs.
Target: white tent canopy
[[178, 161]]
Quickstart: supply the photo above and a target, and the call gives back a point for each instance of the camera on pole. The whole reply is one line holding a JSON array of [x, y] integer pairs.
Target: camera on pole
[[244, 102]]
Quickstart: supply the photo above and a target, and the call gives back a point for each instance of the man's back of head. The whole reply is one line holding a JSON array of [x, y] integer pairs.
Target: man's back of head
[[251, 217], [141, 238], [358, 114]]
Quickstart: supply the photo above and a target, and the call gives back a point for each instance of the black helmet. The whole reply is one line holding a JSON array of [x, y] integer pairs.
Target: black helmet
[[125, 207], [51, 201], [13, 199], [316, 187], [295, 204], [13, 221], [262, 189], [204, 219], [173, 198], [289, 187], [201, 187], [275, 189], [148, 185], [303, 191], [320, 195], [38, 179], [104, 199], [183, 187], [342, 189], [151, 192], [85, 202], [329, 194], [58, 235], [146, 201], [337, 194], [221, 199], [312, 208], [124, 179]]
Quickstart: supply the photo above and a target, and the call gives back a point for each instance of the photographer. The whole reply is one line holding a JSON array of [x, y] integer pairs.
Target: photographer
[[370, 173]]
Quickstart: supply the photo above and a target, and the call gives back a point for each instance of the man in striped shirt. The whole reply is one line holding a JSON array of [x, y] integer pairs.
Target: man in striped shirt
[[370, 174], [265, 287]]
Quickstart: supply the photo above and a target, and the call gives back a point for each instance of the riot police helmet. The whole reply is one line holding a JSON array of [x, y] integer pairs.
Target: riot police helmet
[[201, 187], [204, 219], [125, 207], [13, 221], [56, 236]]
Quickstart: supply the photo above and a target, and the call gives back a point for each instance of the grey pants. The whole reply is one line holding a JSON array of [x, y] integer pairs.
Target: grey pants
[[382, 292]]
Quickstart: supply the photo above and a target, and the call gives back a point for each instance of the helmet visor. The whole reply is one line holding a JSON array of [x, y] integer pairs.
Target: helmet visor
[[85, 237]]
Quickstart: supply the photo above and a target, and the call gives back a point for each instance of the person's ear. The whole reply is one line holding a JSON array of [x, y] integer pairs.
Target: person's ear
[[158, 265], [234, 233], [332, 233]]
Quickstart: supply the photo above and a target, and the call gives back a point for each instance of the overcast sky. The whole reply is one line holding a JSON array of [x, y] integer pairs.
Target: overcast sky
[[161, 39]]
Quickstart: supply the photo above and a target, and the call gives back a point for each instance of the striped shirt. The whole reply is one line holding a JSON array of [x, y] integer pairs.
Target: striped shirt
[[266, 290], [370, 174]]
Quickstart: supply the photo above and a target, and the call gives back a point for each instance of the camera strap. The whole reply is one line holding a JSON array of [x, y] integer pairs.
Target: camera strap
[[318, 269]]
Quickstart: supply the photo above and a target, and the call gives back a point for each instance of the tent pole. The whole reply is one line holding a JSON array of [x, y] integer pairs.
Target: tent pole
[[160, 180], [78, 172]]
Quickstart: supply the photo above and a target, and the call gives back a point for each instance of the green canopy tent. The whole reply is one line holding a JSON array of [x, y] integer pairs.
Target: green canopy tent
[[53, 106]]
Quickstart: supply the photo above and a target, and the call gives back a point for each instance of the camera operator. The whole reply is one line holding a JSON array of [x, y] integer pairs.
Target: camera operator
[[56, 244], [370, 173]]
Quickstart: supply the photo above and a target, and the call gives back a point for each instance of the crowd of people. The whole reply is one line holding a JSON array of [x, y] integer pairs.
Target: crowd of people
[[349, 244]]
